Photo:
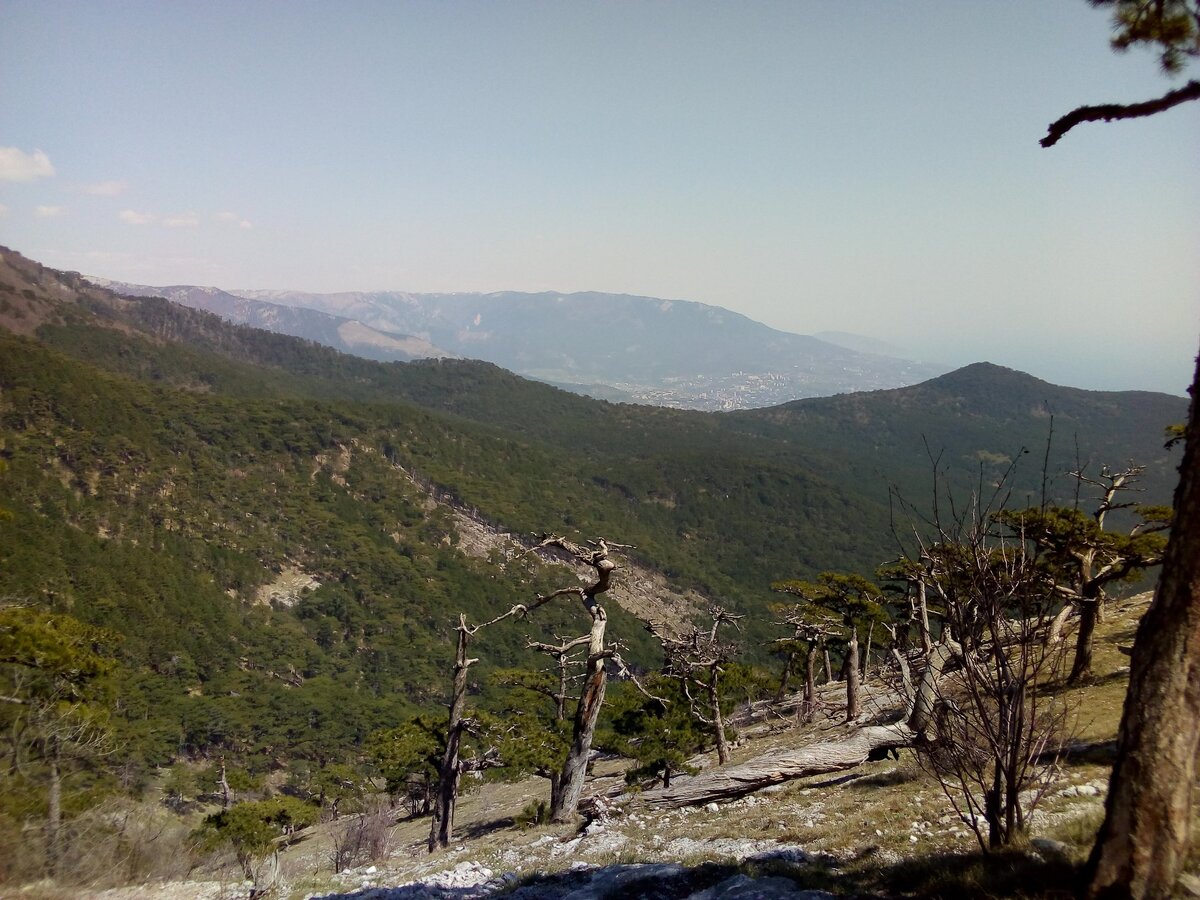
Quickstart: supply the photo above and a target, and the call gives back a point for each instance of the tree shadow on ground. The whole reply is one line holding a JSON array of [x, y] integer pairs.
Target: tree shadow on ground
[[780, 874], [482, 829], [889, 778]]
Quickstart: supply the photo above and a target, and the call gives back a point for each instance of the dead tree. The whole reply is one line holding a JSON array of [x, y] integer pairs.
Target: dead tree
[[999, 713], [695, 660], [727, 782], [561, 654], [452, 767], [450, 771], [595, 676], [557, 692]]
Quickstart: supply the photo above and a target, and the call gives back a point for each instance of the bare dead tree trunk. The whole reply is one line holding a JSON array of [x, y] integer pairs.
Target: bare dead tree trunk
[[923, 618], [1054, 633], [828, 666], [560, 698], [223, 784], [54, 807], [451, 767], [866, 661], [451, 771], [1143, 843], [587, 713], [727, 782]]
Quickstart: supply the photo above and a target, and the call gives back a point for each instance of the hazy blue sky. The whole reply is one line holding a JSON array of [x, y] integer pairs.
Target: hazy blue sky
[[860, 166]]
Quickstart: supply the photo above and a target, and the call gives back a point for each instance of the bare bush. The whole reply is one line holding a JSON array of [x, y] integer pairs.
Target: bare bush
[[999, 716], [363, 837]]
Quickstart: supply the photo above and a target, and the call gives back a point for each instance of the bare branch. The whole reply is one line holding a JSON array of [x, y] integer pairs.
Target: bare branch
[[623, 671], [1107, 112]]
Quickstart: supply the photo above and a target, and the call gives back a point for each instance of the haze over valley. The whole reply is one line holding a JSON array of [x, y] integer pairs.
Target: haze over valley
[[636, 349]]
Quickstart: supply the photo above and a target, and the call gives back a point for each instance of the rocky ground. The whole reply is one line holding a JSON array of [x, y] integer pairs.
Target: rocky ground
[[807, 839], [859, 833]]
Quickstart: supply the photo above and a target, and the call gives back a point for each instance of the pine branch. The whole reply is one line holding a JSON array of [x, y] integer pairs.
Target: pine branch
[[1107, 112]]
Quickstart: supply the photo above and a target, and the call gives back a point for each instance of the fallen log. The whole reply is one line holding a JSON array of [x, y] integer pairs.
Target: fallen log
[[729, 782], [821, 758]]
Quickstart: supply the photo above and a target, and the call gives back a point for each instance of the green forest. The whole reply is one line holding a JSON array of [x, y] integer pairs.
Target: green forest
[[163, 471]]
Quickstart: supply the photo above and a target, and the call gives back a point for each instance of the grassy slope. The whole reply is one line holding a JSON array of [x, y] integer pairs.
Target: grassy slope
[[884, 829]]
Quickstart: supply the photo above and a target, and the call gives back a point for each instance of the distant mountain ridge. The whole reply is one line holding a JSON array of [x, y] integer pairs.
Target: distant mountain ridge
[[338, 332], [663, 352]]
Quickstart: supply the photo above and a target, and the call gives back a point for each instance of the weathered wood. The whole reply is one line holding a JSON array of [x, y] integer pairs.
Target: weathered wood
[[587, 713], [1143, 844], [442, 822], [728, 782]]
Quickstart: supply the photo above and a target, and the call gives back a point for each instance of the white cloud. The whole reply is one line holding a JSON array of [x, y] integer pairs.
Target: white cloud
[[17, 165], [106, 188], [233, 219], [3, 210], [182, 220], [47, 212], [132, 217]]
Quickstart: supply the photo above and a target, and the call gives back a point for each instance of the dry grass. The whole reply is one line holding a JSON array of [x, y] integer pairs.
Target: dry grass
[[882, 829]]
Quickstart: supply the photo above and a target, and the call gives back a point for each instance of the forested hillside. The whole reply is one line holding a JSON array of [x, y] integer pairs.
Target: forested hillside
[[264, 525]]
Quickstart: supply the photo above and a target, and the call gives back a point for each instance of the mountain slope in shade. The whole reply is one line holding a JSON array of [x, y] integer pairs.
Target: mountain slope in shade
[[977, 421], [344, 334], [666, 352]]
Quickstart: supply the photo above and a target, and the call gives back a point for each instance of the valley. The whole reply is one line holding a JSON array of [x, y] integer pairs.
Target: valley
[[672, 353], [268, 542]]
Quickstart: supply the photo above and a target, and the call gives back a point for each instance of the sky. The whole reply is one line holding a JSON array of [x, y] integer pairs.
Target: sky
[[870, 167]]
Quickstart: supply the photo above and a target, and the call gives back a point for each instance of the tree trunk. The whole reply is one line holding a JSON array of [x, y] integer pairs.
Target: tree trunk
[[788, 666], [852, 683], [728, 782], [923, 619], [828, 666], [223, 784], [54, 808], [1089, 615], [866, 661], [1143, 843], [1054, 633], [714, 703], [810, 684], [586, 714], [778, 766], [451, 771]]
